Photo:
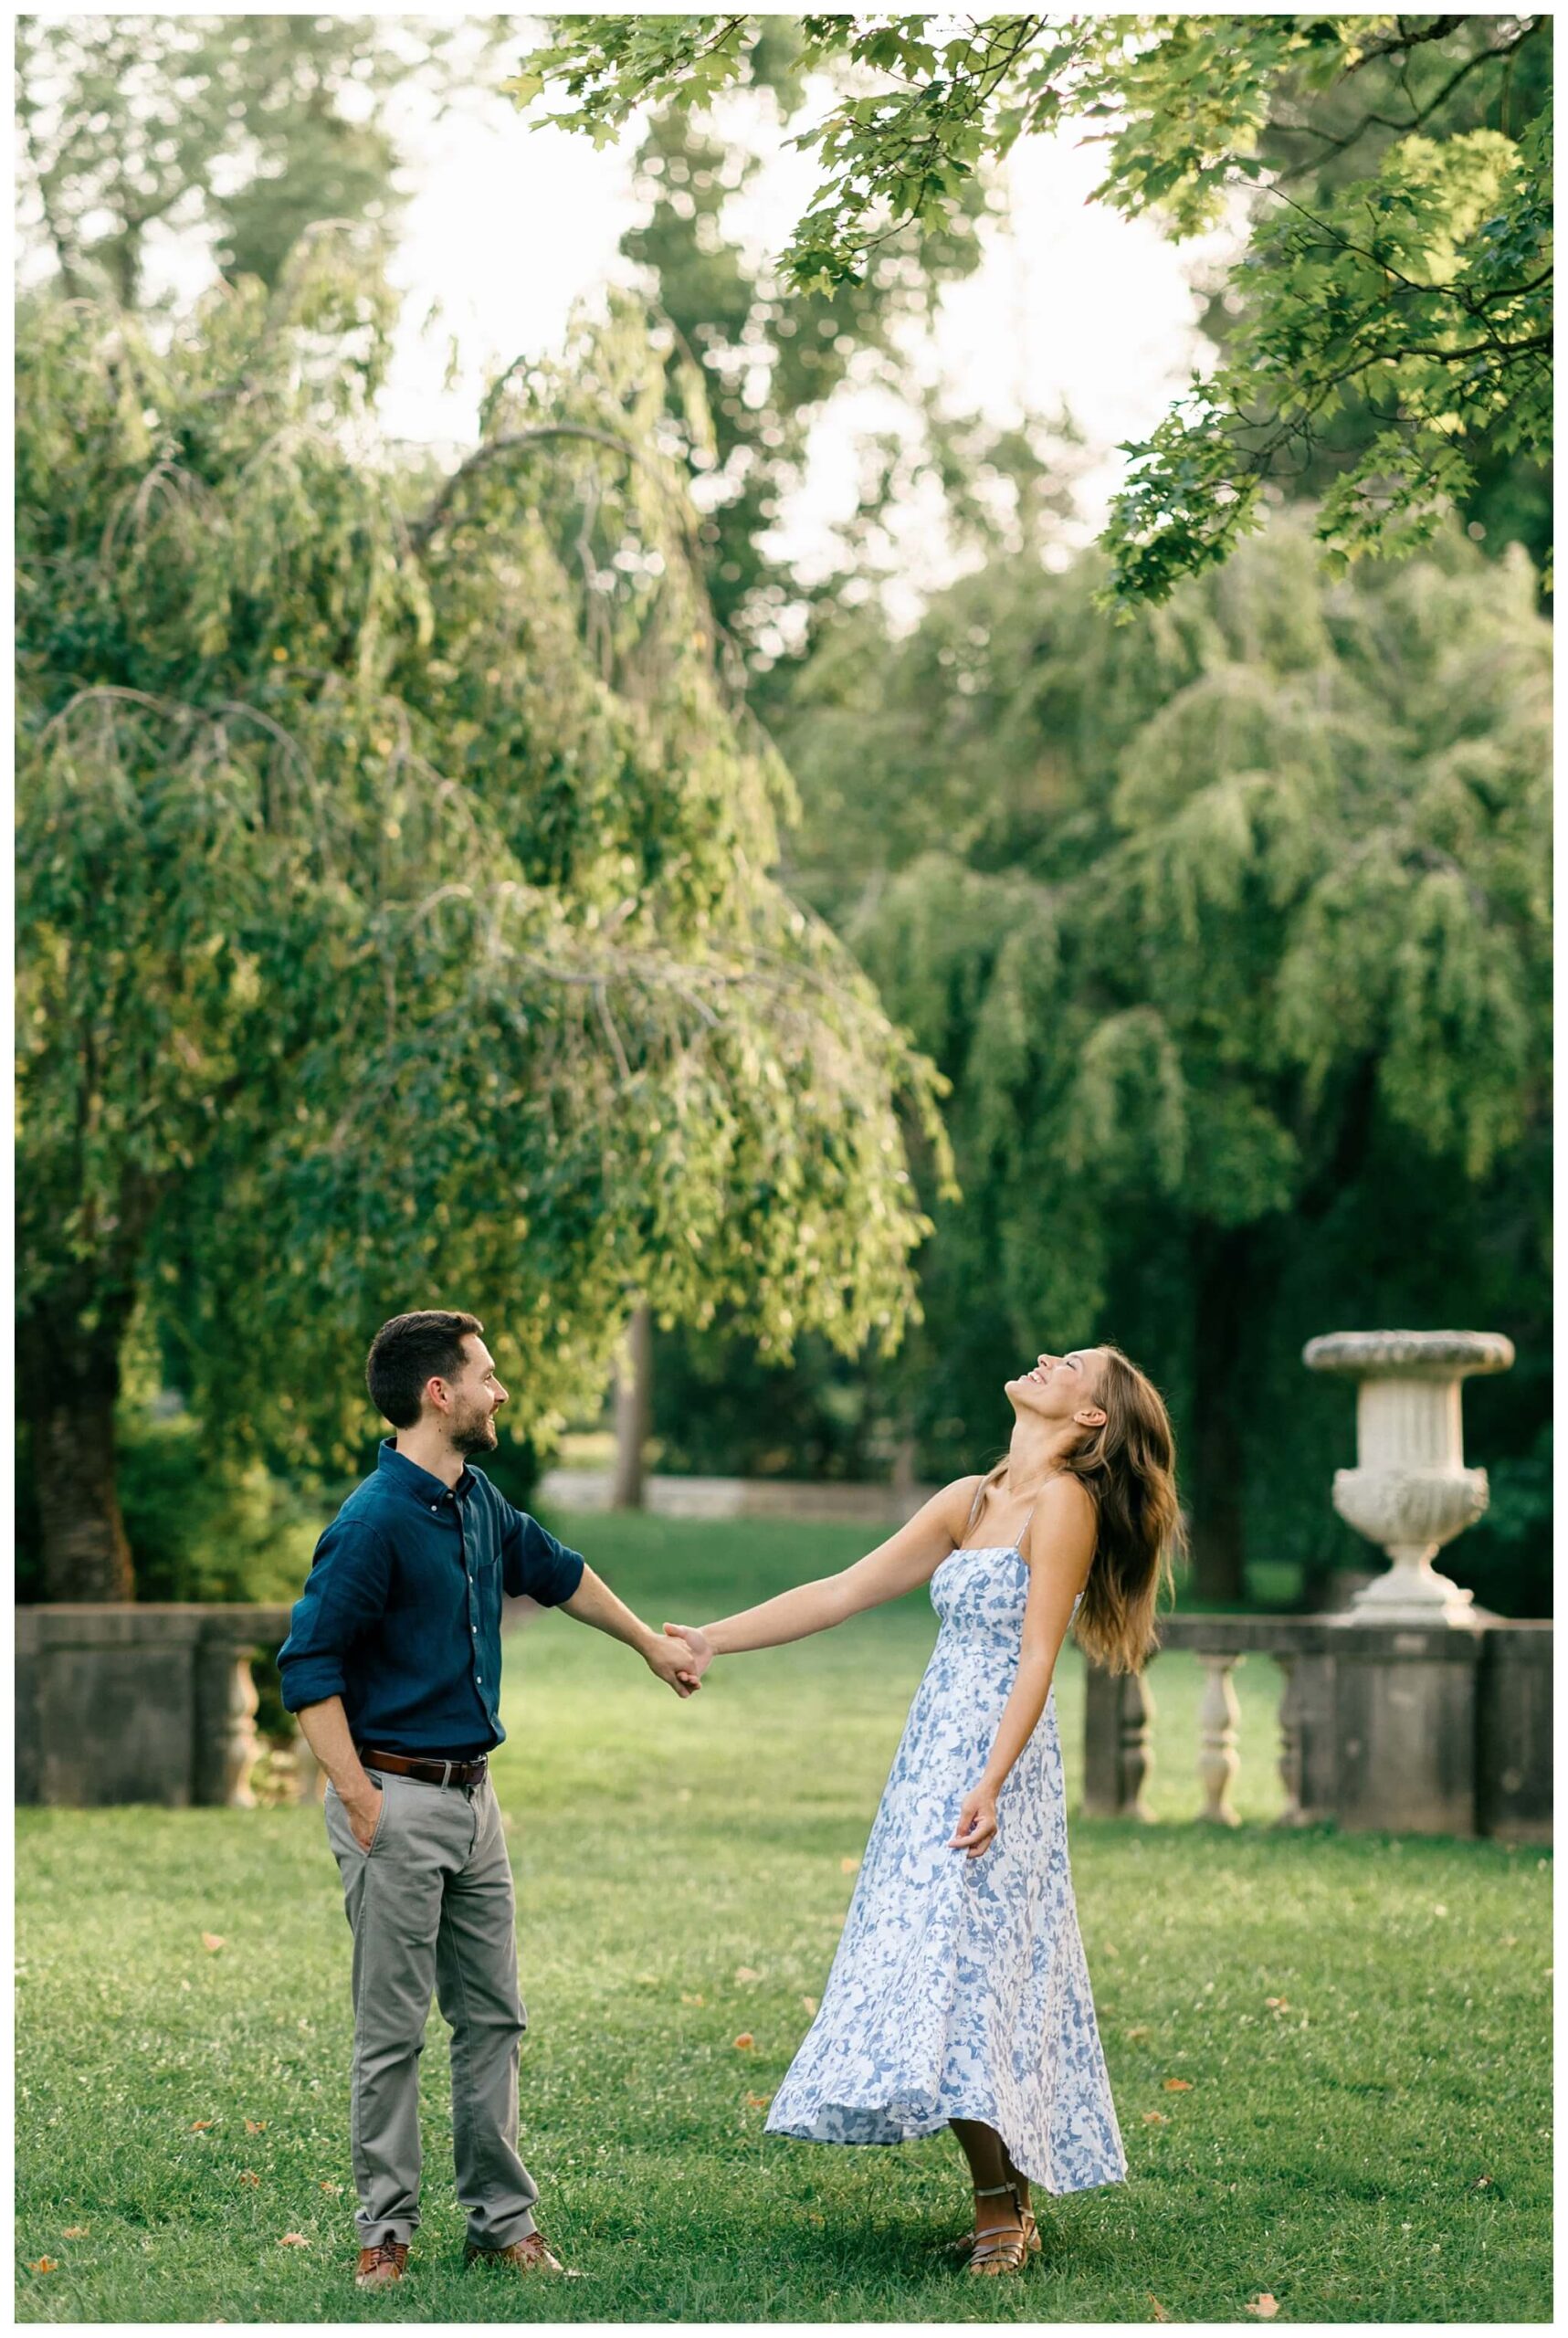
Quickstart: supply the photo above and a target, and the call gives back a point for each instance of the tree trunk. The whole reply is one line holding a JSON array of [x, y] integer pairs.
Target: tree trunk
[[906, 1457], [68, 1385], [634, 1412], [1218, 1545]]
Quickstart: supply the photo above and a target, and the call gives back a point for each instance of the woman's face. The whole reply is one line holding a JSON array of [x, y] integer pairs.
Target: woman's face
[[1061, 1387]]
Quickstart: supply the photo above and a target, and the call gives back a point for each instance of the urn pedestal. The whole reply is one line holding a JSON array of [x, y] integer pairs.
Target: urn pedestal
[[1408, 1649]]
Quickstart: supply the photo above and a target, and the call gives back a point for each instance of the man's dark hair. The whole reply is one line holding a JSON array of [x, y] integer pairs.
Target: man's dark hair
[[410, 1350]]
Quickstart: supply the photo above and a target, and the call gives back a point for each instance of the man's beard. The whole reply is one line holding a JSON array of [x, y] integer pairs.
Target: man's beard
[[478, 1437]]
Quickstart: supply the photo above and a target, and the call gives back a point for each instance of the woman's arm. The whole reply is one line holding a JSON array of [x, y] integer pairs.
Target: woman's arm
[[905, 1560], [1061, 1546]]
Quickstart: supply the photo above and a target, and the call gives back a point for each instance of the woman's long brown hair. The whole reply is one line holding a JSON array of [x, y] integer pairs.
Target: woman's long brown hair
[[1128, 1467]]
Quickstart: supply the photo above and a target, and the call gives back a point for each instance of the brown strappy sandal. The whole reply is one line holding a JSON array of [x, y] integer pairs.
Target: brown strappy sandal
[[1000, 2251], [1026, 2217]]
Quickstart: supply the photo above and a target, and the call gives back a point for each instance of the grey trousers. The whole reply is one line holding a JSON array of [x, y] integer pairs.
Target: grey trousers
[[430, 1906]]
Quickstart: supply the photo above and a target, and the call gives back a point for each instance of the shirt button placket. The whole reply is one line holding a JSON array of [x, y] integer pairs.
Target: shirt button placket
[[473, 1623]]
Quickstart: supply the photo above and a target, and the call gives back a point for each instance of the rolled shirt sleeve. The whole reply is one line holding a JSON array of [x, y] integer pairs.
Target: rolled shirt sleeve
[[534, 1566], [344, 1593]]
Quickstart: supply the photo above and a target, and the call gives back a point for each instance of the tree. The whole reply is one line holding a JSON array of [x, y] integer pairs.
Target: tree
[[394, 886], [248, 128], [771, 355], [1419, 290], [769, 361], [1238, 969], [1315, 144]]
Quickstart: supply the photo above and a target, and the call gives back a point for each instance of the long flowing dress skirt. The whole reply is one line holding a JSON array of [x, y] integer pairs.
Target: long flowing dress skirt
[[959, 1989]]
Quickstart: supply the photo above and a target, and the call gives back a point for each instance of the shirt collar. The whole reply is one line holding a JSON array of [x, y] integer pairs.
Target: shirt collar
[[412, 1479]]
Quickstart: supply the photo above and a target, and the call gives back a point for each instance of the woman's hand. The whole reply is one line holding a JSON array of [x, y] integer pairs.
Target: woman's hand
[[977, 1822]]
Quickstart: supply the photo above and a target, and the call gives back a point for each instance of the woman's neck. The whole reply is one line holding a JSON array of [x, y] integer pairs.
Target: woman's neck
[[1034, 1451]]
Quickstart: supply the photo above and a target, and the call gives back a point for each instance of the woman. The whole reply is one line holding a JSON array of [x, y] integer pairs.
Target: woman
[[959, 1995]]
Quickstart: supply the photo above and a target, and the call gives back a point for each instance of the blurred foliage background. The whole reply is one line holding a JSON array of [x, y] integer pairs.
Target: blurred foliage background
[[532, 894]]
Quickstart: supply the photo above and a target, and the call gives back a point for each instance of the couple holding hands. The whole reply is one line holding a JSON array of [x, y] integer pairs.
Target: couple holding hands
[[958, 1996]]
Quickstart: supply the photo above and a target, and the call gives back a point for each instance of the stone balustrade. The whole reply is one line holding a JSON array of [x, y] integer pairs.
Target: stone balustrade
[[1420, 1728], [1417, 1728], [139, 1703]]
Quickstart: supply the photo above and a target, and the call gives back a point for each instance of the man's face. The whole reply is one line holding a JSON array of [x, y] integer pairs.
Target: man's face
[[475, 1396]]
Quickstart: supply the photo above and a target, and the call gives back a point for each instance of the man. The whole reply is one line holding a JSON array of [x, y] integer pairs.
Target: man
[[392, 1664]]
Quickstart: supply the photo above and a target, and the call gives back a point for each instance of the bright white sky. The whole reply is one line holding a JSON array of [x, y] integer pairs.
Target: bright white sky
[[508, 226]]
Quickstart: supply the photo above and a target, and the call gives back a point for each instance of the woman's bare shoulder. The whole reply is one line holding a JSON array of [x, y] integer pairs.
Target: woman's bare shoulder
[[961, 1495], [1066, 1509]]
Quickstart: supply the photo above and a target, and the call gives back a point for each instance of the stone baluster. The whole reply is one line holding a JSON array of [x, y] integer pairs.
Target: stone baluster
[[1218, 1758], [241, 1745], [227, 1746], [1117, 1758], [1136, 1746]]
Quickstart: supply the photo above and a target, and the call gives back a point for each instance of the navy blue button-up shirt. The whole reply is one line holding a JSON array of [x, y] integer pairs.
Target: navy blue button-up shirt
[[401, 1612]]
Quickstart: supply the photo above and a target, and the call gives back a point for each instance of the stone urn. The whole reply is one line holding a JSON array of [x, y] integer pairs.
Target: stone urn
[[1410, 1491]]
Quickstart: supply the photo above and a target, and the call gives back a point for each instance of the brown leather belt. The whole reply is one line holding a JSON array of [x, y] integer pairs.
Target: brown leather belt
[[433, 1769]]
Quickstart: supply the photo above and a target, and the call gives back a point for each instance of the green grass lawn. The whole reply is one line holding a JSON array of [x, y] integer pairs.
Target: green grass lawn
[[1362, 2024]]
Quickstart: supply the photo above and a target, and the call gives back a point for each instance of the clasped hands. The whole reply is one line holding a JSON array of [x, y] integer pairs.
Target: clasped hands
[[683, 1664]]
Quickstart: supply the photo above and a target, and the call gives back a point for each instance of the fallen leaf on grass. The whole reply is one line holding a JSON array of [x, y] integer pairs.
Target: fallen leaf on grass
[[810, 2004], [691, 2001], [759, 2101], [254, 2127], [1160, 2313], [42, 2265], [213, 1940], [744, 1972], [331, 2187], [1438, 1909], [1138, 2029], [78, 2232], [1155, 2119], [1480, 2183], [744, 2040], [1265, 2306], [847, 1867], [1277, 2004], [248, 2175], [1178, 2086], [293, 2240], [200, 2126]]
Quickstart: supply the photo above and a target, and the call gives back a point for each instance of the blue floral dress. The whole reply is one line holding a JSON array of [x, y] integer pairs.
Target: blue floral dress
[[959, 1989]]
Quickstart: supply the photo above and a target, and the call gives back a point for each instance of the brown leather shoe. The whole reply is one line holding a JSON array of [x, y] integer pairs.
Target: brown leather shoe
[[532, 2254], [381, 2264]]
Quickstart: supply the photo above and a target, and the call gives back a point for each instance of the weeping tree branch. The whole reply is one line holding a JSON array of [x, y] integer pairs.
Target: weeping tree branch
[[421, 529]]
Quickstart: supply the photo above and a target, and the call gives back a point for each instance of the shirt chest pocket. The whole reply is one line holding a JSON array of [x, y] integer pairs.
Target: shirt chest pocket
[[484, 1562]]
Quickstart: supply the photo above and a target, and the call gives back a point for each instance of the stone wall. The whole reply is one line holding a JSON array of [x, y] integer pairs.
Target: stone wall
[[151, 1704]]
